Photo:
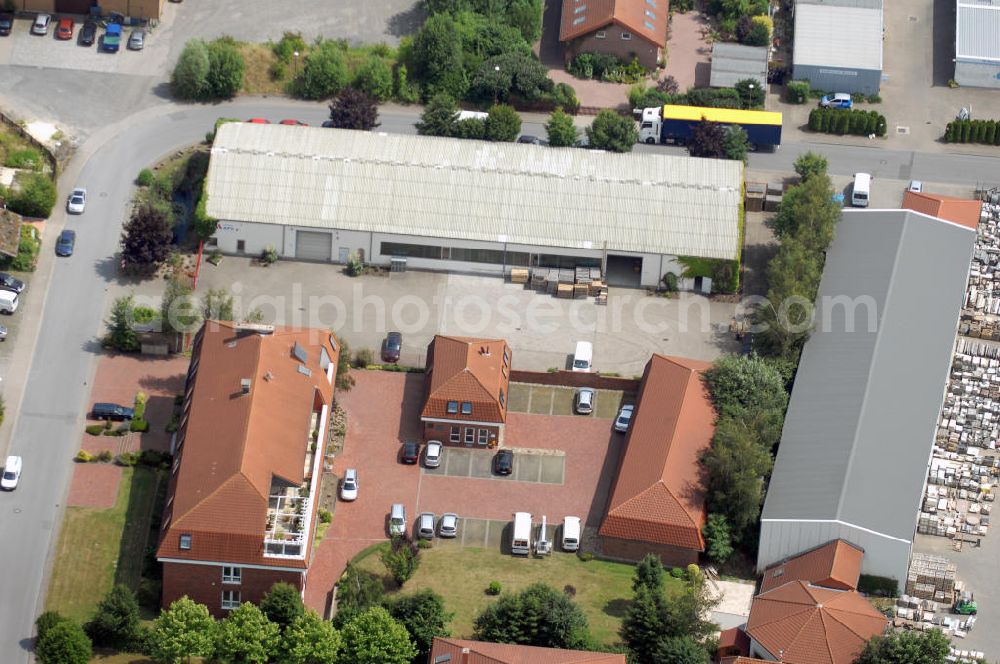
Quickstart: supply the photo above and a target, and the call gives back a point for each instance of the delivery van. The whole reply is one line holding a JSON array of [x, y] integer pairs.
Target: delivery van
[[861, 189], [8, 301], [520, 544], [584, 356], [571, 533]]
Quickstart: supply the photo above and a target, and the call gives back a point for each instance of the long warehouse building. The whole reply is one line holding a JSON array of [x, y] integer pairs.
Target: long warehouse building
[[861, 421], [465, 205]]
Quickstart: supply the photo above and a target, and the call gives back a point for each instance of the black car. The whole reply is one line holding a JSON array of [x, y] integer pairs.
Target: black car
[[411, 452], [531, 140], [10, 283], [65, 243], [328, 124], [88, 34], [392, 345], [6, 23], [503, 462], [111, 411]]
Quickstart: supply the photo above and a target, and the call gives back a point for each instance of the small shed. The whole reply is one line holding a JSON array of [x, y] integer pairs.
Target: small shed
[[732, 63], [10, 232]]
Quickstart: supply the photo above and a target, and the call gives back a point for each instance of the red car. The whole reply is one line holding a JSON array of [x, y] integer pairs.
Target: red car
[[294, 123], [65, 29], [258, 121]]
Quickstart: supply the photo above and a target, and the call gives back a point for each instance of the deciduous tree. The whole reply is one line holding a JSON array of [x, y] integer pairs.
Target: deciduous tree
[[930, 647], [282, 604], [613, 132], [423, 615], [225, 69], [354, 109], [246, 636], [64, 643], [538, 616], [183, 631], [121, 333], [145, 241], [809, 164], [324, 72], [707, 140], [741, 385], [718, 538], [374, 637], [116, 619], [374, 78], [439, 117], [437, 52], [561, 131], [190, 74], [310, 640], [751, 93]]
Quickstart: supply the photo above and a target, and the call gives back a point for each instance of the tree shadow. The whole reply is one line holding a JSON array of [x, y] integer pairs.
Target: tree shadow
[[406, 22], [616, 608]]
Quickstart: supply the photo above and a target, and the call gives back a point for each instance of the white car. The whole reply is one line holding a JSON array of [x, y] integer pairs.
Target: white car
[[624, 418], [41, 24], [11, 473], [916, 186], [448, 525], [77, 201], [432, 454], [349, 485]]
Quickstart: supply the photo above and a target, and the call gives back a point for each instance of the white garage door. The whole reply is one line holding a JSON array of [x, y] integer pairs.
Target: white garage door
[[313, 246]]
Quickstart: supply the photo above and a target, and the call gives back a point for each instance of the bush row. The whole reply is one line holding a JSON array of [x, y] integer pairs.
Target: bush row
[[642, 97], [606, 67], [973, 131], [843, 121]]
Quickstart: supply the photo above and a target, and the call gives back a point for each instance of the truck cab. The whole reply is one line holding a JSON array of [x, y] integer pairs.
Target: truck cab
[[649, 128]]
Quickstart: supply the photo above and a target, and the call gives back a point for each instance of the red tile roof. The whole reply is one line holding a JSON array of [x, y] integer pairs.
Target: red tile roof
[[482, 652], [836, 564], [467, 370], [235, 443], [743, 660], [658, 494], [810, 625], [645, 18], [962, 211], [733, 641]]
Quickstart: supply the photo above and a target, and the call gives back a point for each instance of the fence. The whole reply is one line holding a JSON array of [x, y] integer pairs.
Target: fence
[[41, 147]]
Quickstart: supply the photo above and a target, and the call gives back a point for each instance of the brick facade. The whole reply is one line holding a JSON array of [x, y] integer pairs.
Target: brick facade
[[442, 431], [647, 52], [203, 584], [631, 551]]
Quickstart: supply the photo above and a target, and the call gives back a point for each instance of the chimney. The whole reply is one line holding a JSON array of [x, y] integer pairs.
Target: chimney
[[484, 351], [465, 656], [245, 385], [268, 376]]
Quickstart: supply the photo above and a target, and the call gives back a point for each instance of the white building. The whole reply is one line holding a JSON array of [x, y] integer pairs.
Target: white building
[[977, 43], [463, 205]]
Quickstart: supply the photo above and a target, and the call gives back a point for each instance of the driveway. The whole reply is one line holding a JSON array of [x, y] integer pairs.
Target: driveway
[[588, 449]]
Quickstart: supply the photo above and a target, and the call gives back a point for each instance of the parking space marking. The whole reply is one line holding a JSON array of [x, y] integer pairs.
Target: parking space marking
[[478, 464]]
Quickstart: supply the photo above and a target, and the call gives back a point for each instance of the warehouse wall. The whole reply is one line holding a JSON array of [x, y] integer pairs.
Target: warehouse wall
[[838, 79], [977, 75], [884, 556], [255, 236]]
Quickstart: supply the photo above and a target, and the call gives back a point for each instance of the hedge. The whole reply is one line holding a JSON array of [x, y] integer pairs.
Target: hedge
[[797, 92], [843, 121], [880, 586], [986, 132]]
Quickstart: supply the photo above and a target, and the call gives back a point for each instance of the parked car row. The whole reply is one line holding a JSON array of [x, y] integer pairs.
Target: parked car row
[[10, 296], [583, 404], [503, 460], [87, 36], [427, 524]]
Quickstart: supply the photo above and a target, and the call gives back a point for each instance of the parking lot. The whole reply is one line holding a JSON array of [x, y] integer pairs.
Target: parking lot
[[548, 467], [553, 400]]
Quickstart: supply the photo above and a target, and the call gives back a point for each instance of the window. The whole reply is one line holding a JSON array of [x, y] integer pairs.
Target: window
[[456, 435], [506, 357], [650, 14], [626, 36], [580, 9], [232, 574], [453, 407], [333, 342], [484, 436], [601, 34], [651, 3], [230, 599], [324, 358], [470, 435], [578, 21], [241, 246], [466, 408], [494, 256], [166, 523], [501, 397], [648, 24], [177, 463], [185, 543]]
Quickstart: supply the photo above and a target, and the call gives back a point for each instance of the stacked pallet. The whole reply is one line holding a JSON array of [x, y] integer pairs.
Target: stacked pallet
[[981, 311], [580, 282], [519, 275], [931, 577]]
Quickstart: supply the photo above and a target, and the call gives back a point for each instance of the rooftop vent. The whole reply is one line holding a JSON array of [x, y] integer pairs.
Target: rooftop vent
[[245, 385], [484, 351], [268, 376]]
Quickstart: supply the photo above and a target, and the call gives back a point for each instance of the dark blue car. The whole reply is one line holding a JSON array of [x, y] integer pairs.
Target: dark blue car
[[64, 245]]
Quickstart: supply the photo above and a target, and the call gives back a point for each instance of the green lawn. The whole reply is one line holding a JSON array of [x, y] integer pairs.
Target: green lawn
[[101, 547], [517, 397], [460, 575], [541, 400]]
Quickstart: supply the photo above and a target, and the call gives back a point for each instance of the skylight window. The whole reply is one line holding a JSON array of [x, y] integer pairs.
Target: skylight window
[[648, 25], [305, 371], [650, 14], [580, 9], [466, 408], [578, 21], [300, 353], [651, 3]]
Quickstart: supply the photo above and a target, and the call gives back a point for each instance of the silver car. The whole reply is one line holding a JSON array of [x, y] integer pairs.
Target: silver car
[[448, 525], [624, 418], [432, 454], [136, 40], [425, 525], [41, 24], [349, 485], [397, 520], [584, 401]]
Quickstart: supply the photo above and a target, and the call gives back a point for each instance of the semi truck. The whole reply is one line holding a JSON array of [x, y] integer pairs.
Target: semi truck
[[674, 124]]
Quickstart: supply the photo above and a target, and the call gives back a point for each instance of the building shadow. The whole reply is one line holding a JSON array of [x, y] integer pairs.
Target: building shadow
[[410, 427], [605, 482], [702, 73], [943, 43], [550, 50]]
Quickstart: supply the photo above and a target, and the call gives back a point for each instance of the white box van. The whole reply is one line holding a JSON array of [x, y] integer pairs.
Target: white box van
[[520, 543], [861, 189], [571, 533], [8, 302], [583, 358]]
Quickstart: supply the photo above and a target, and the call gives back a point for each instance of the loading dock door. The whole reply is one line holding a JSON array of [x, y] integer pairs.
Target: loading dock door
[[624, 271], [313, 246], [73, 6]]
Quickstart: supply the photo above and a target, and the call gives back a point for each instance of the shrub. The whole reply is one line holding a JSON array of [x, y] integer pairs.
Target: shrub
[[128, 459], [35, 196], [154, 458], [669, 281], [268, 255], [503, 124], [363, 358], [569, 590], [324, 73], [47, 621], [105, 456], [64, 643], [406, 92], [28, 158], [797, 92], [874, 99], [325, 516], [286, 47], [145, 178], [424, 544], [494, 588], [401, 559], [190, 75], [83, 456], [225, 69], [374, 78], [278, 70], [355, 267], [139, 425], [585, 556], [95, 429], [677, 572]]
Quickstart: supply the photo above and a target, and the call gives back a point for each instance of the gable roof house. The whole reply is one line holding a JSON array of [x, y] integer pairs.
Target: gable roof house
[[657, 504], [626, 28], [241, 510], [466, 389], [836, 564]]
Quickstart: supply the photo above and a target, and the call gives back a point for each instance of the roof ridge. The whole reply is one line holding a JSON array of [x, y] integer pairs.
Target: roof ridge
[[844, 610], [255, 380], [678, 501], [465, 372]]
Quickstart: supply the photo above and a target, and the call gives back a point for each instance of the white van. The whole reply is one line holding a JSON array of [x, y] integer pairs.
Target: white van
[[584, 356], [861, 189], [520, 543], [8, 302], [571, 533]]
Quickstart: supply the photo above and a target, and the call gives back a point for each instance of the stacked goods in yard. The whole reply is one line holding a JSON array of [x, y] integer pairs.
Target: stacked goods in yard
[[931, 577], [981, 313]]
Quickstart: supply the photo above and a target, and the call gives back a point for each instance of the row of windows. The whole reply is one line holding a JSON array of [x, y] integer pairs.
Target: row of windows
[[466, 255], [466, 407], [472, 435], [626, 36]]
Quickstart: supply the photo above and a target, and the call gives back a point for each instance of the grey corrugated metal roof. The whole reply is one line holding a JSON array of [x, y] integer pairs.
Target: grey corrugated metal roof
[[977, 30], [731, 63], [863, 412], [838, 33], [475, 190]]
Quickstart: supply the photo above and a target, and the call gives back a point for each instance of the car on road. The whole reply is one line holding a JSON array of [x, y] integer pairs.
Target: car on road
[[136, 39], [397, 519], [111, 411], [392, 346], [425, 525], [3, 333], [432, 454], [10, 283], [11, 473], [294, 123], [503, 462], [837, 100], [88, 34], [77, 201], [349, 485], [448, 525], [258, 121], [328, 124], [531, 140], [583, 401], [6, 23], [411, 452], [624, 418], [64, 29], [65, 243], [112, 39], [915, 186], [41, 24]]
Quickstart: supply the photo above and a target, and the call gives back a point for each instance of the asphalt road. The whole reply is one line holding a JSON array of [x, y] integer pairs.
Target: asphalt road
[[49, 423]]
